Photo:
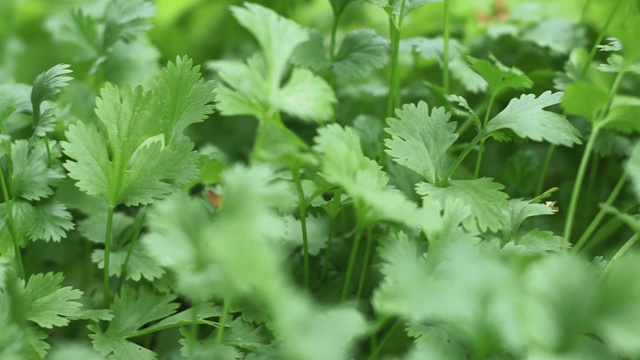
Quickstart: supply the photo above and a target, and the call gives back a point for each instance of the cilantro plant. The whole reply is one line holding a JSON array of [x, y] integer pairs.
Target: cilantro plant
[[401, 179]]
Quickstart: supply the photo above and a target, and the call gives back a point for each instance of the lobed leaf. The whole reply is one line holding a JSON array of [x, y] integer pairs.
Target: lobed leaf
[[361, 52], [48, 304], [420, 140], [527, 119], [498, 76]]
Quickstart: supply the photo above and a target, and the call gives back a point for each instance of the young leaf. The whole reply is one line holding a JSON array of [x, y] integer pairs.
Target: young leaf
[[525, 117], [47, 85], [51, 221], [482, 195], [125, 20], [306, 96], [420, 140], [32, 178], [277, 36], [48, 304], [623, 115], [517, 211], [498, 76], [585, 99], [361, 52], [131, 311], [143, 154]]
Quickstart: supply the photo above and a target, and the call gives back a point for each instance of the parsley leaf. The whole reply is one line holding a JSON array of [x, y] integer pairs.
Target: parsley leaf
[[32, 178], [142, 155], [420, 140], [46, 303], [525, 117], [131, 311], [498, 76], [483, 196], [361, 52]]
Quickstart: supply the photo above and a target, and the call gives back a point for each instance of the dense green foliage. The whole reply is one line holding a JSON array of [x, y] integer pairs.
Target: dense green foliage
[[342, 179]]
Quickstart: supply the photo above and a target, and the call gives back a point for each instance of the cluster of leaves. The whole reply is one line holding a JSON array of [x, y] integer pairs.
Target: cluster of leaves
[[348, 234]]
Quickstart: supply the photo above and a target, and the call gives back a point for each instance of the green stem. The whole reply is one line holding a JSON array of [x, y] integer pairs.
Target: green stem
[[492, 99], [394, 80], [545, 168], [603, 33], [107, 254], [577, 185], [335, 203], [302, 208], [593, 226], [11, 220], [352, 259], [334, 33], [223, 321], [381, 344], [623, 250], [445, 53], [139, 222], [365, 264], [460, 158]]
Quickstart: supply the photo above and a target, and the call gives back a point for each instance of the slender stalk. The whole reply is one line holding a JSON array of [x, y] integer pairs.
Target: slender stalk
[[223, 321], [132, 244], [352, 260], [598, 218], [603, 33], [492, 99], [575, 193], [335, 203], [461, 157], [394, 80], [334, 33], [545, 168], [365, 264], [12, 222], [381, 344], [302, 208], [623, 250], [445, 53], [107, 253]]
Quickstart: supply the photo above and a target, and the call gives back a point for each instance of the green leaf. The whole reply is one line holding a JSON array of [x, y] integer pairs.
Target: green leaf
[[277, 36], [433, 342], [311, 53], [623, 115], [586, 100], [558, 34], [51, 222], [393, 7], [618, 319], [80, 33], [420, 140], [48, 304], [482, 195], [361, 52], [125, 20], [338, 6], [519, 170], [307, 97], [142, 155], [131, 311], [48, 84], [519, 210], [32, 178], [527, 119], [498, 76], [140, 264], [539, 242]]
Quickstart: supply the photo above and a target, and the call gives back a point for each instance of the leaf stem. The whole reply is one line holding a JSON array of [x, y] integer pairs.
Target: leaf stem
[[352, 258], [585, 10], [335, 203], [623, 250], [598, 218], [461, 157], [10, 219], [334, 33], [575, 193], [394, 79], [603, 33], [223, 320], [107, 253], [545, 168], [445, 53], [302, 208], [365, 264], [139, 222], [381, 344], [476, 172]]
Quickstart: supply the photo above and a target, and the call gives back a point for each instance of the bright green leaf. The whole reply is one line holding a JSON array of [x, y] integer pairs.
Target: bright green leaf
[[307, 97], [585, 99], [500, 77], [46, 303], [51, 222], [482, 195], [48, 84], [420, 140], [32, 178], [527, 119]]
